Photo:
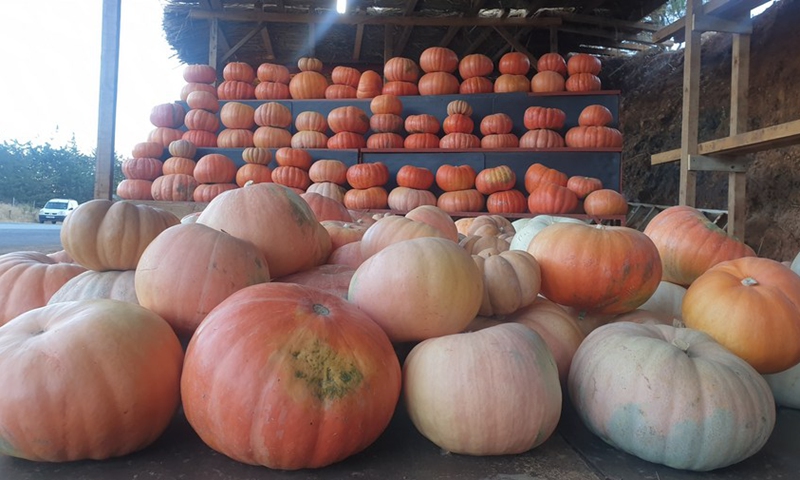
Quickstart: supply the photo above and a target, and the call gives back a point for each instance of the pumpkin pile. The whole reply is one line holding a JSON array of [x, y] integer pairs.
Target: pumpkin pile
[[273, 82]]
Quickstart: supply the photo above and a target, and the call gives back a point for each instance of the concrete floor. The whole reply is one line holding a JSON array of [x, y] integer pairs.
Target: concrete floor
[[573, 453]]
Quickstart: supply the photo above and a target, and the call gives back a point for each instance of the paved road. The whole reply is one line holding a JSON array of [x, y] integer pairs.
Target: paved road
[[30, 236]]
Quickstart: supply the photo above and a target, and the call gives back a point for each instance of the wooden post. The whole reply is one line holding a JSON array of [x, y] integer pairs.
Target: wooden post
[[691, 104], [388, 42], [213, 43], [554, 39], [107, 114], [740, 83]]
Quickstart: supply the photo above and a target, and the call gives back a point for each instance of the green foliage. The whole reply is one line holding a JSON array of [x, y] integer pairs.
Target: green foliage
[[670, 12], [33, 174]]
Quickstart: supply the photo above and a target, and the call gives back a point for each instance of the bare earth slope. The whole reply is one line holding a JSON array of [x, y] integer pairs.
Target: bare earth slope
[[650, 116]]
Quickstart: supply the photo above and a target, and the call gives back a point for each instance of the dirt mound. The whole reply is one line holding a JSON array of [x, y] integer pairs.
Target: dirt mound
[[650, 118]]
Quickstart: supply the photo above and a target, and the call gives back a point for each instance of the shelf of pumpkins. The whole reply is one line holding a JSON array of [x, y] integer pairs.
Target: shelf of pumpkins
[[473, 146]]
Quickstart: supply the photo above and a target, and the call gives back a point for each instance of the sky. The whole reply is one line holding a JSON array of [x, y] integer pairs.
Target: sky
[[50, 90]]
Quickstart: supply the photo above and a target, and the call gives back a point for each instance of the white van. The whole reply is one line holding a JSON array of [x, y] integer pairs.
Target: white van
[[56, 209]]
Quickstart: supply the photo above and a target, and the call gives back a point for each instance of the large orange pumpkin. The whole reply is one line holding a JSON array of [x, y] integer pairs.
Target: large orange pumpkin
[[476, 85], [415, 177], [348, 119], [438, 59], [475, 65], [552, 62], [324, 375], [541, 138], [401, 69], [495, 179], [438, 83], [550, 198], [129, 189], [514, 63], [308, 85], [507, 201], [366, 175], [544, 117]]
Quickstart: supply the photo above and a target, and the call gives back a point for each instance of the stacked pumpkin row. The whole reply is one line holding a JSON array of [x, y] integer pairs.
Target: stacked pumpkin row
[[268, 349]]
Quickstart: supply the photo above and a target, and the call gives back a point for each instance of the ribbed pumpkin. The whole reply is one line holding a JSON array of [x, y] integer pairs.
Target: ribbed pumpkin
[[238, 71], [404, 199], [147, 149], [451, 178], [593, 137], [197, 119], [583, 186], [583, 63], [399, 89], [293, 157], [91, 285], [438, 59], [309, 64], [415, 177], [197, 87], [583, 82], [176, 187], [182, 148], [507, 201], [422, 123], [167, 115], [309, 139], [538, 174], [215, 168], [500, 140], [291, 177], [142, 168], [203, 100], [385, 140], [496, 123], [458, 123], [514, 63], [257, 155], [341, 75], [326, 208], [475, 65], [547, 81], [392, 229], [235, 138], [595, 115], [311, 120], [386, 123], [401, 69], [544, 117], [511, 280], [308, 85], [605, 202], [164, 135], [495, 179], [552, 62], [469, 200], [512, 83], [366, 198], [335, 92], [541, 138], [459, 107], [178, 165], [370, 85], [253, 172], [328, 189], [386, 104], [347, 141], [366, 175], [438, 83], [201, 138], [549, 198], [458, 140], [235, 90], [129, 189], [272, 91], [324, 170], [273, 114], [271, 72], [272, 137], [348, 119], [199, 74], [237, 115], [476, 85], [417, 141], [205, 192], [436, 218]]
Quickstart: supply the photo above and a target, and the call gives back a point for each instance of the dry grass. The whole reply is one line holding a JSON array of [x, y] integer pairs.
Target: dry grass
[[19, 213]]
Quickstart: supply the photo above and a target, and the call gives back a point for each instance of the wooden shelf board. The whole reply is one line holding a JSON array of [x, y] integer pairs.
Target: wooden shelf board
[[776, 136], [581, 216], [573, 94], [489, 150], [722, 8]]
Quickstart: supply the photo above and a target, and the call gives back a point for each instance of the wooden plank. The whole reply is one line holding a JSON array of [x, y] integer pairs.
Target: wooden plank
[[312, 39], [608, 22], [707, 23], [716, 7], [388, 35], [231, 15], [213, 43], [690, 110], [358, 43], [740, 84], [601, 33], [698, 163], [516, 44], [107, 114], [252, 33], [267, 44]]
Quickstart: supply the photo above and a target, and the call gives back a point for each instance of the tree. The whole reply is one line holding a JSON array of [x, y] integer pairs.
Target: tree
[[36, 173]]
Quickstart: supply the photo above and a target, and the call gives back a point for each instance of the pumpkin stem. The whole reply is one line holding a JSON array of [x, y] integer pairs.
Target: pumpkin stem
[[321, 309], [749, 281], [681, 344]]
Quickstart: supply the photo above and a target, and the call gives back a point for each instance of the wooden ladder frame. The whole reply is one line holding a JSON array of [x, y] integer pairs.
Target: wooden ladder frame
[[725, 154]]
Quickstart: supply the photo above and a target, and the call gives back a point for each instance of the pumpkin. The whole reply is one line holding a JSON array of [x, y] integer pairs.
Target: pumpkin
[[595, 115], [167, 115], [164, 136], [328, 189], [309, 139], [347, 140], [541, 138], [308, 85], [324, 170], [583, 63], [293, 157], [253, 172], [495, 179], [728, 302], [784, 387], [440, 276], [459, 141], [386, 123], [560, 331], [291, 177], [400, 89], [129, 189], [593, 137], [476, 85], [538, 174], [475, 244], [457, 107], [147, 150], [514, 63], [182, 148], [126, 361], [335, 92], [504, 140], [438, 59], [326, 208], [440, 377], [469, 200], [507, 201], [401, 69], [366, 199], [311, 120], [333, 279], [544, 117], [199, 74], [605, 202], [393, 229], [257, 155], [341, 75], [272, 91], [239, 71], [415, 177], [187, 89], [435, 217], [235, 138], [552, 62], [335, 386], [343, 232], [272, 114], [91, 285], [490, 225], [475, 65], [201, 138], [667, 300], [197, 119], [309, 64], [202, 100], [272, 137], [348, 119], [511, 280], [689, 243], [370, 85], [458, 123], [216, 266], [512, 83], [422, 123], [237, 115], [105, 235], [438, 83], [215, 168], [652, 378], [366, 175], [419, 141], [547, 82], [142, 168], [496, 123], [619, 266], [583, 82], [385, 140], [271, 72], [28, 280], [235, 90], [177, 187], [450, 178], [347, 255], [276, 220], [583, 186], [386, 104], [532, 226]]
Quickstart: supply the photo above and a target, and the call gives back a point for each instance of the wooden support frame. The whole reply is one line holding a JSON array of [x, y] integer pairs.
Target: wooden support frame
[[106, 120]]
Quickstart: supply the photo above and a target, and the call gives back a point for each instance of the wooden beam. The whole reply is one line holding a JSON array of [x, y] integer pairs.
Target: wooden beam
[[600, 33], [388, 43], [707, 23], [402, 39], [690, 110], [516, 44], [252, 33], [473, 10], [720, 8], [213, 44], [636, 47], [312, 40], [359, 41], [740, 84], [482, 37], [700, 163], [608, 22], [107, 114], [268, 17], [267, 44]]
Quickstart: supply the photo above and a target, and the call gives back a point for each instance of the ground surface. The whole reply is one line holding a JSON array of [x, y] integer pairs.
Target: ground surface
[[650, 118]]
